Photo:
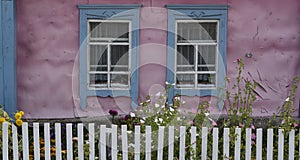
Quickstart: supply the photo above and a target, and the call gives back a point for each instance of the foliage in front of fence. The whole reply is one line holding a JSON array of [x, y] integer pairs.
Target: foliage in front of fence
[[154, 111], [4, 117], [239, 100], [288, 123]]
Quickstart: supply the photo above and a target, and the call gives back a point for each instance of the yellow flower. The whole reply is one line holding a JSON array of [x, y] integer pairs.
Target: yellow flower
[[21, 112], [19, 122], [18, 116], [52, 140], [2, 120]]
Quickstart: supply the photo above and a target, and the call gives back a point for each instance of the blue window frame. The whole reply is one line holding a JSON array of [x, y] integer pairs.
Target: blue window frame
[[109, 54], [196, 56]]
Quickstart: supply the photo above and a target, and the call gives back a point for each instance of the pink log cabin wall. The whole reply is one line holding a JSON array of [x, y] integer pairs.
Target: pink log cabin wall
[[48, 44]]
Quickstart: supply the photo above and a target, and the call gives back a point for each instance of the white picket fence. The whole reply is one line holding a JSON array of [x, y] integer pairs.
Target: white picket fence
[[113, 132]]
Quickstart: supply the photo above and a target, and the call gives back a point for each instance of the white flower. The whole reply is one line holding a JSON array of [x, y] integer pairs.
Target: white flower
[[167, 83], [132, 114], [183, 102], [156, 105], [206, 114], [155, 120], [178, 118], [157, 94], [160, 120], [142, 121], [148, 101], [129, 132], [287, 99], [171, 109], [141, 103], [163, 106], [177, 98], [131, 145]]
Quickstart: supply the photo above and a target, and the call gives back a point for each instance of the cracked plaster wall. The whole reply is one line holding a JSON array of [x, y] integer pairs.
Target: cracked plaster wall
[[48, 43]]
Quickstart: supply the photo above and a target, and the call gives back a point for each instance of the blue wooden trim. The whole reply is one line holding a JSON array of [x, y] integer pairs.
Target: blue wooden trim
[[114, 12], [197, 6], [8, 56], [109, 6], [134, 91], [108, 93], [1, 61], [198, 12]]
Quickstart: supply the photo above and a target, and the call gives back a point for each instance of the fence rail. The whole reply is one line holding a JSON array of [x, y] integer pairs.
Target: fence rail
[[115, 141]]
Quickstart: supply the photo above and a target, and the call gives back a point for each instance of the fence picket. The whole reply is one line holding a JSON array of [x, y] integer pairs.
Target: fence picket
[[114, 142], [5, 140], [171, 143], [80, 136], [226, 143], [259, 138], [15, 142], [270, 144], [102, 142], [291, 144], [215, 143], [92, 140], [47, 141], [204, 143], [124, 142], [69, 142], [58, 141], [148, 143], [137, 142], [160, 142], [280, 144], [182, 143], [248, 143], [36, 140], [237, 144], [193, 140], [25, 143]]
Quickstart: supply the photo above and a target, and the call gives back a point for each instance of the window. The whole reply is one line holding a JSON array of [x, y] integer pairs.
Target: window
[[109, 38], [196, 49], [108, 49]]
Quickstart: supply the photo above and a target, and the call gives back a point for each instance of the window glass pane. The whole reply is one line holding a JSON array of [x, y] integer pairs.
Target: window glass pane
[[185, 58], [196, 31], [98, 80], [185, 80], [119, 58], [206, 79], [207, 55], [109, 30], [98, 58], [119, 80], [206, 68]]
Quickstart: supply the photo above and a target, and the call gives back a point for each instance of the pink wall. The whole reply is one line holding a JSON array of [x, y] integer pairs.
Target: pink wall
[[48, 43]]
